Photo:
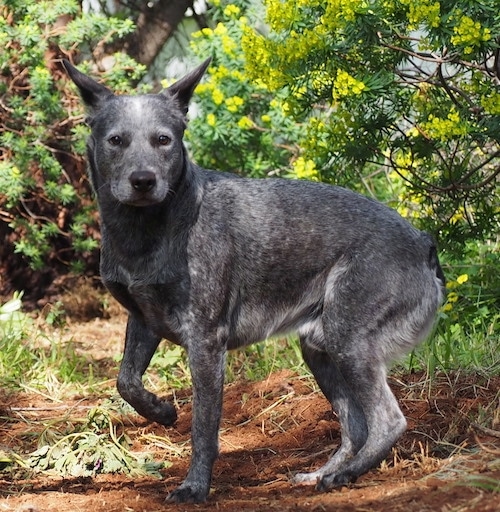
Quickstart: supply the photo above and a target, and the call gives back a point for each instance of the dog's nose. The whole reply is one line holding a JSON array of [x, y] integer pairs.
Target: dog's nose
[[143, 181]]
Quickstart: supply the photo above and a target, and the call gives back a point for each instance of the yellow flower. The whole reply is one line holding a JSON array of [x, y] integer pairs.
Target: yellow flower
[[445, 128], [423, 11], [265, 118], [231, 11], [404, 211], [491, 103], [234, 103], [346, 85], [211, 119], [469, 33], [220, 29], [167, 82], [217, 96], [404, 161], [245, 123], [303, 168], [413, 132], [450, 285], [458, 216]]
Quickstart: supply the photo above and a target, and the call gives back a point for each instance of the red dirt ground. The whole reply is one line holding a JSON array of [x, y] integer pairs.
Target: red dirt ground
[[448, 460]]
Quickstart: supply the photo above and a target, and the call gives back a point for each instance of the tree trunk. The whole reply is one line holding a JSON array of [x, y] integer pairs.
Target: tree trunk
[[155, 25]]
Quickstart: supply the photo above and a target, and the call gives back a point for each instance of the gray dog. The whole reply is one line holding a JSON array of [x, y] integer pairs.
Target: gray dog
[[213, 262]]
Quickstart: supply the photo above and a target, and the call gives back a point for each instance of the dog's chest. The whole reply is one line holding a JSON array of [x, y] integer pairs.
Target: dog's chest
[[158, 305], [155, 293]]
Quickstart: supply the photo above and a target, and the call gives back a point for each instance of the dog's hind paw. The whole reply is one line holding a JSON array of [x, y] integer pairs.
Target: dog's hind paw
[[187, 494], [334, 481], [306, 478]]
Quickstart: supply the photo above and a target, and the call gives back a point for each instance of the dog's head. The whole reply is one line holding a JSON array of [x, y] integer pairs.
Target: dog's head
[[135, 150]]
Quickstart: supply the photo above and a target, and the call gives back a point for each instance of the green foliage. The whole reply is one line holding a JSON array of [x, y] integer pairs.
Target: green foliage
[[240, 126], [467, 335], [381, 96], [168, 369], [14, 325], [95, 447], [482, 482], [28, 358], [43, 193], [257, 362]]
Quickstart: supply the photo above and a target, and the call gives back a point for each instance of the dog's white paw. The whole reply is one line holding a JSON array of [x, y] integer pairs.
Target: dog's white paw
[[306, 478]]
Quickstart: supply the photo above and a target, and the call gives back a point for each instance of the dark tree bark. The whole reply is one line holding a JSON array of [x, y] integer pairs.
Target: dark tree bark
[[155, 24]]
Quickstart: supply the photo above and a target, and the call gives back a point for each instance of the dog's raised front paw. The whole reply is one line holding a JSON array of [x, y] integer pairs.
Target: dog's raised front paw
[[161, 411], [187, 493], [164, 413]]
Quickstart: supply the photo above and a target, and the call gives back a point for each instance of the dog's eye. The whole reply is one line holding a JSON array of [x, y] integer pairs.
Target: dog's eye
[[115, 140], [163, 140]]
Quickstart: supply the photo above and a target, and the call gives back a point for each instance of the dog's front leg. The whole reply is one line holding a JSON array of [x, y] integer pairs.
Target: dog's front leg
[[140, 345], [206, 362]]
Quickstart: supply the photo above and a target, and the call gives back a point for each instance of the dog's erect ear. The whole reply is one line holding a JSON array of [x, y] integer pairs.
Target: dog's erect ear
[[184, 87], [92, 93]]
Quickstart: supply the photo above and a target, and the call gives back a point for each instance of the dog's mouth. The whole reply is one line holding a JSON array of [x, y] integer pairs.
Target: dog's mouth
[[140, 203], [131, 196], [142, 200]]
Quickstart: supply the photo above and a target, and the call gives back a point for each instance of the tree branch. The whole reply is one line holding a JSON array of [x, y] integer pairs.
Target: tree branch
[[155, 24]]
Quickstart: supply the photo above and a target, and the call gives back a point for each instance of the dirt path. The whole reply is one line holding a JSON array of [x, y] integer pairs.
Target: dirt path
[[272, 429]]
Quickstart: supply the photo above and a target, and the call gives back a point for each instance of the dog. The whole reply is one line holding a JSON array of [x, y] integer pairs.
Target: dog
[[212, 261]]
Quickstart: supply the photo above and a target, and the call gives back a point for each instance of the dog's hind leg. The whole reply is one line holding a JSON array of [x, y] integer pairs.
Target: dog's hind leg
[[359, 316], [369, 416], [140, 345], [384, 420], [368, 319], [351, 417], [363, 320]]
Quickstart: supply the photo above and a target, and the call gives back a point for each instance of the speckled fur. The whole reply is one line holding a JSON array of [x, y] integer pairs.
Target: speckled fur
[[213, 262]]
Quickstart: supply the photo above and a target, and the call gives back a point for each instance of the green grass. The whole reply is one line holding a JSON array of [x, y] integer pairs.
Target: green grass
[[471, 347], [256, 362], [169, 366], [32, 360]]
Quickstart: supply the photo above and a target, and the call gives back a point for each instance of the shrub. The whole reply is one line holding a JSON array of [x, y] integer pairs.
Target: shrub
[[47, 213], [238, 125]]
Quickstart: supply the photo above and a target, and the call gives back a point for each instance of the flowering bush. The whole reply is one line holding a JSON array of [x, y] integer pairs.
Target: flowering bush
[[240, 126]]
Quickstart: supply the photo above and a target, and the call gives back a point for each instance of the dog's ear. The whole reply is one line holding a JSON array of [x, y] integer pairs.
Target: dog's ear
[[183, 89], [92, 93]]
